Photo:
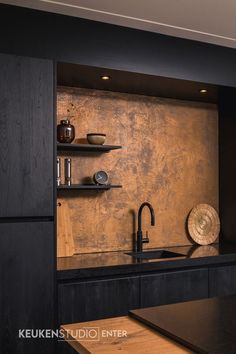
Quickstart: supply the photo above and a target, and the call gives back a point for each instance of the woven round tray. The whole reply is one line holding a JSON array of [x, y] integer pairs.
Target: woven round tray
[[203, 224]]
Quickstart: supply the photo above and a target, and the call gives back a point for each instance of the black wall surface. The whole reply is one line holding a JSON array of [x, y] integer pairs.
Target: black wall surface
[[227, 162], [69, 39]]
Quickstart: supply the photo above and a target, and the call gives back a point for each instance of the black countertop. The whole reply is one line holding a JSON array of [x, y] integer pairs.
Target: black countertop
[[205, 326], [119, 263]]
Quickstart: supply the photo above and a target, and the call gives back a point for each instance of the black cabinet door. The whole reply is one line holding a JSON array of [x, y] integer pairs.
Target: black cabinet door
[[26, 136], [26, 285], [167, 288], [91, 300], [222, 281]]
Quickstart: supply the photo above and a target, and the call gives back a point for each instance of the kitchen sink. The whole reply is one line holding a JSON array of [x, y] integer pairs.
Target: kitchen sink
[[159, 254]]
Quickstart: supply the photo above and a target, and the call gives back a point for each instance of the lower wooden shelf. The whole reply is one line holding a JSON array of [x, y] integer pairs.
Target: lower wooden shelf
[[88, 187]]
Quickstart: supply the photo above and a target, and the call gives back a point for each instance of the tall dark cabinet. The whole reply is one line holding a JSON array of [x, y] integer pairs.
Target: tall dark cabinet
[[27, 245], [26, 137]]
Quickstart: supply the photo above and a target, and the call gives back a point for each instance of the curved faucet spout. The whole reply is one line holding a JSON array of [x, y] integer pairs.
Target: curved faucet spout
[[140, 239], [140, 215]]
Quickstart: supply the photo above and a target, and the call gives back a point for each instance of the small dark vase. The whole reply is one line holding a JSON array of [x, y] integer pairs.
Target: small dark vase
[[65, 132]]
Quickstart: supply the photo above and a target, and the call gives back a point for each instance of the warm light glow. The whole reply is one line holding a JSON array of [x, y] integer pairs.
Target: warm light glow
[[105, 77], [203, 91]]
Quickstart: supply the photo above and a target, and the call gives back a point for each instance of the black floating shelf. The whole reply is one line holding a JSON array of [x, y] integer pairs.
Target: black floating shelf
[[87, 147], [88, 187]]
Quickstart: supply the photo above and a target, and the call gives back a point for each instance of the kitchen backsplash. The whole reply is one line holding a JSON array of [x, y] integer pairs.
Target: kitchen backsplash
[[169, 158]]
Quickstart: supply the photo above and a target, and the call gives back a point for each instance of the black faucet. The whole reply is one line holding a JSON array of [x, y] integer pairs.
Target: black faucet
[[140, 239]]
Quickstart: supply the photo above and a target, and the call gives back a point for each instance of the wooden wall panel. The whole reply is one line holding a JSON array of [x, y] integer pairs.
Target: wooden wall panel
[[169, 158]]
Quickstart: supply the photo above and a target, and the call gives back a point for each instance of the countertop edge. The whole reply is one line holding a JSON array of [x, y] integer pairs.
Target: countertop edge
[[140, 268]]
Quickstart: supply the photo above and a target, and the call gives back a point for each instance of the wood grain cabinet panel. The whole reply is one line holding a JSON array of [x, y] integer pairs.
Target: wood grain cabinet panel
[[167, 288], [91, 300], [222, 281], [26, 136], [27, 285]]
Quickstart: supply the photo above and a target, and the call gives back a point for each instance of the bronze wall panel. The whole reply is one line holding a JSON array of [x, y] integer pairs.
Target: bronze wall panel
[[169, 158]]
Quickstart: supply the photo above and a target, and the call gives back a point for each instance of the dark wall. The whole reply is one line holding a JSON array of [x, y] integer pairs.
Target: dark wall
[[69, 39], [227, 162]]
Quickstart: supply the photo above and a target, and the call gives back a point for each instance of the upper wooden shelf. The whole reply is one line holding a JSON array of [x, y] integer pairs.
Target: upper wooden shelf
[[87, 147]]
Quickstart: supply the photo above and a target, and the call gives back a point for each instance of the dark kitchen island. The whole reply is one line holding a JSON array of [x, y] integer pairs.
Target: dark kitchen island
[[204, 326]]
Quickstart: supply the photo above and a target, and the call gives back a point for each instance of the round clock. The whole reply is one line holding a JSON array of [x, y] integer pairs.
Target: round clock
[[100, 177]]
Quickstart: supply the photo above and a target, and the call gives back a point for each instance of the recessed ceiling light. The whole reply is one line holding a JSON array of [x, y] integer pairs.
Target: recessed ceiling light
[[105, 77], [203, 91]]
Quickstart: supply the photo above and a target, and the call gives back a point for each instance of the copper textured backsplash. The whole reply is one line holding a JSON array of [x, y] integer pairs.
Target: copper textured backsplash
[[169, 158]]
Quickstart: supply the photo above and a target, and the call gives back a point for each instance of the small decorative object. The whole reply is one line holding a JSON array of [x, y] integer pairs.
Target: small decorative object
[[203, 224], [58, 171], [101, 177], [96, 138], [68, 172], [65, 131]]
